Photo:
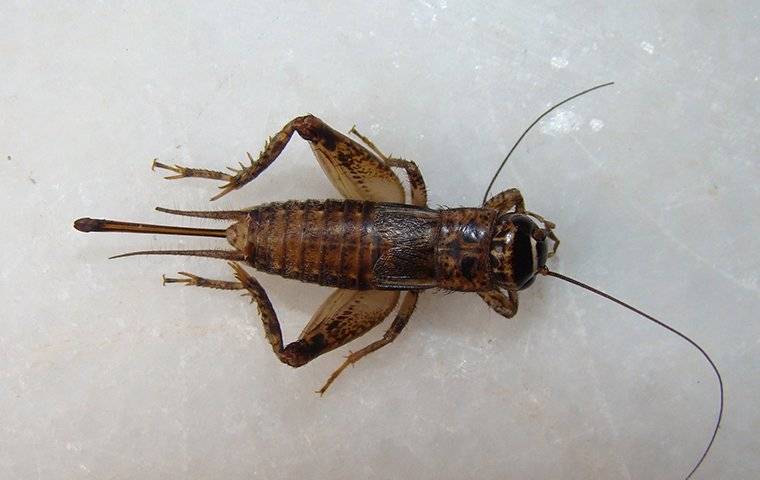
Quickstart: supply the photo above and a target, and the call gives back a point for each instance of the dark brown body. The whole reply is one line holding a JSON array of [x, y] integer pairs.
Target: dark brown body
[[362, 245]]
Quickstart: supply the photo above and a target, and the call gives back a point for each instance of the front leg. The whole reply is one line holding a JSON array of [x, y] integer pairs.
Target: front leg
[[507, 200], [512, 198], [502, 304]]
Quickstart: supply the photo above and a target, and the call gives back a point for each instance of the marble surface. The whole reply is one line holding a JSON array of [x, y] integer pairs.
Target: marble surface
[[653, 184]]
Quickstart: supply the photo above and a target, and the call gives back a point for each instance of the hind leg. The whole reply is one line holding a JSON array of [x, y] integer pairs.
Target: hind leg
[[258, 295], [352, 169], [344, 316], [406, 310]]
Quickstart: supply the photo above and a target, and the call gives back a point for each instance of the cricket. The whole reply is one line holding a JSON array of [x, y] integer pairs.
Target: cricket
[[377, 248]]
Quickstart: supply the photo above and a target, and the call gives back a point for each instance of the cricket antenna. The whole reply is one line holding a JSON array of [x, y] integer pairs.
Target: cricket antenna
[[546, 271], [504, 162]]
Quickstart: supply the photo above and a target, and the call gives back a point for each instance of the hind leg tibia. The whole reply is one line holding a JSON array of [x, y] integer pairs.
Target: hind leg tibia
[[402, 317], [416, 180]]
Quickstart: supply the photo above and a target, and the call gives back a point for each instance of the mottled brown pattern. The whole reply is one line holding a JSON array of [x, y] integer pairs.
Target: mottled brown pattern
[[348, 314], [406, 238], [365, 245], [461, 252], [345, 244], [354, 170]]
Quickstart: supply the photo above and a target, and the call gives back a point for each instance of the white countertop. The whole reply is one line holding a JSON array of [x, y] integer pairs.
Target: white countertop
[[653, 184]]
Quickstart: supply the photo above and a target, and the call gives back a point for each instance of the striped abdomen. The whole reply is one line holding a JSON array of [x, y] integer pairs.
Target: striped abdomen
[[366, 245], [331, 242]]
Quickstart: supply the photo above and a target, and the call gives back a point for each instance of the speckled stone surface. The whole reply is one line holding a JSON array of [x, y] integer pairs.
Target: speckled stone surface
[[653, 184]]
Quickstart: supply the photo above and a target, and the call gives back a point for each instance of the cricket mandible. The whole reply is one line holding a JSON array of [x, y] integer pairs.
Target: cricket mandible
[[377, 248]]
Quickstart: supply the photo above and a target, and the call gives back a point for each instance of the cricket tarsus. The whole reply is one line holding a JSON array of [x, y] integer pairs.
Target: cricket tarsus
[[525, 132], [546, 271], [196, 281]]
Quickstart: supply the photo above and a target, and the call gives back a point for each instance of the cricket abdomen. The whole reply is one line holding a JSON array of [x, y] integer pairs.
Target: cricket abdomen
[[346, 244]]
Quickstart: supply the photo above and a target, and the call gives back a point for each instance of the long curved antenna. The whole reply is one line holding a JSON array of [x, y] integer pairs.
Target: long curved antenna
[[504, 162], [546, 271]]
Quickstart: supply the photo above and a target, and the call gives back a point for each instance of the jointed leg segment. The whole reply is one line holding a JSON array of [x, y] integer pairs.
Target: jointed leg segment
[[512, 198], [196, 281], [244, 174], [505, 305], [344, 316], [507, 200], [549, 228], [402, 317], [416, 181], [296, 353], [354, 171]]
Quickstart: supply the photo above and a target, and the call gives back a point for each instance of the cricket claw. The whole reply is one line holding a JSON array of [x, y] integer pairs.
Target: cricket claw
[[249, 294], [226, 188], [190, 280], [181, 171]]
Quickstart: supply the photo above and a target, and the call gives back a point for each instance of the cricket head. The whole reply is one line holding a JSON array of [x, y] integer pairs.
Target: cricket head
[[518, 250]]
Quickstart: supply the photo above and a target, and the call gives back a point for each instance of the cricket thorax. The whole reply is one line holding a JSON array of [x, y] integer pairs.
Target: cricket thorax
[[462, 247], [518, 250]]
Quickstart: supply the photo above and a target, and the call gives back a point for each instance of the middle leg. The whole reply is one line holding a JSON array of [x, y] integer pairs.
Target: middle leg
[[416, 181], [402, 317]]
